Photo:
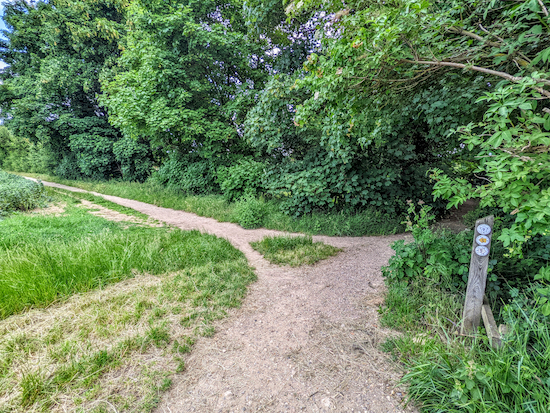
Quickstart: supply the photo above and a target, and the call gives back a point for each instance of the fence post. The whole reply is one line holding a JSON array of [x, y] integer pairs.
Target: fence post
[[477, 278]]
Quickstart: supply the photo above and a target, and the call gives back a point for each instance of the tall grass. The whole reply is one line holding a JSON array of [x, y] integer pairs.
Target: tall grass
[[447, 373], [81, 355], [17, 193], [368, 222]]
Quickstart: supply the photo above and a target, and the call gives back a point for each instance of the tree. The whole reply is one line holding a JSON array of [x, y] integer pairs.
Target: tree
[[56, 52], [185, 77], [391, 51]]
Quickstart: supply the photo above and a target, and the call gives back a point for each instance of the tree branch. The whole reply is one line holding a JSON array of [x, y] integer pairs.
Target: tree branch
[[504, 75], [544, 9], [458, 30]]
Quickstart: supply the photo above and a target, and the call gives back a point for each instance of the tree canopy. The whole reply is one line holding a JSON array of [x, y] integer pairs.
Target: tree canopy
[[343, 106]]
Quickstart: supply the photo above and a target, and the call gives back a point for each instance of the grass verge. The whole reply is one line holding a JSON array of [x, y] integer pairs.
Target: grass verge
[[447, 373], [124, 305], [265, 214], [293, 251]]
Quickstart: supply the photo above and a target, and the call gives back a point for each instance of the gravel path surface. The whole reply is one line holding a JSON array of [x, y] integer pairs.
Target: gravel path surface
[[305, 339]]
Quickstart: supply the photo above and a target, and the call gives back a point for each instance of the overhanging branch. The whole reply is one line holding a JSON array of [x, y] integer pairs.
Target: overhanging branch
[[504, 75]]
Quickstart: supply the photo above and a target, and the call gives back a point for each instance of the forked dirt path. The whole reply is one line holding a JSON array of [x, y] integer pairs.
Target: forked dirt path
[[304, 340]]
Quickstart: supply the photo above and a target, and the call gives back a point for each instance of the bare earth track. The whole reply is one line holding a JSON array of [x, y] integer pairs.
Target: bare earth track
[[305, 339]]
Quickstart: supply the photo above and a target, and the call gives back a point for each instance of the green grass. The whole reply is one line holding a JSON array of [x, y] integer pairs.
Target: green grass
[[369, 222], [99, 200], [449, 373], [47, 258], [116, 308], [293, 251]]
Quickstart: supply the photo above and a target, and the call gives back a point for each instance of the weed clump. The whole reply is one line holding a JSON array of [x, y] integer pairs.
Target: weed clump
[[250, 212], [17, 193]]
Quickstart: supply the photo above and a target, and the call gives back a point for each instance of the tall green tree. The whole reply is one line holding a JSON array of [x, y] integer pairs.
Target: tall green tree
[[186, 77], [370, 143], [492, 58], [56, 51]]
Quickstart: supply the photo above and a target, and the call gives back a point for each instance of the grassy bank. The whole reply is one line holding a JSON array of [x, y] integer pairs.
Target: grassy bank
[[258, 213], [96, 315]]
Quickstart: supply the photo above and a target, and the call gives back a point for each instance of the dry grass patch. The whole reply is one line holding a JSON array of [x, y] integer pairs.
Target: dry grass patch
[[55, 209], [110, 349], [109, 214]]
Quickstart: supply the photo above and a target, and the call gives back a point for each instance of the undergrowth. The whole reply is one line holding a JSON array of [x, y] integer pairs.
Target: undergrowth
[[445, 372], [293, 251], [251, 214], [19, 194]]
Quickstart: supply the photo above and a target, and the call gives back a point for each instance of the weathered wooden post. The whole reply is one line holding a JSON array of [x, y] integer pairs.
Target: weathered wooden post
[[477, 278]]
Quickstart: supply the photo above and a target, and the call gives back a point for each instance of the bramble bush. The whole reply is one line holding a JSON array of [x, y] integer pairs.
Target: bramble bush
[[18, 193], [443, 257]]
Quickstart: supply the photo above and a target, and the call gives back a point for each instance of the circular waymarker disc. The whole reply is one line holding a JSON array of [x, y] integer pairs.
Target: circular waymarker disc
[[482, 240], [482, 251], [483, 229]]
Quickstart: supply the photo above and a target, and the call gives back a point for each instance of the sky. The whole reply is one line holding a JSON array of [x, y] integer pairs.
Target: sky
[[2, 26]]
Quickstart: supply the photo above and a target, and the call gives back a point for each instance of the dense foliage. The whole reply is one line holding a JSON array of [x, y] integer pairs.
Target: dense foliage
[[320, 105], [357, 108], [56, 52], [184, 81], [427, 281], [19, 194]]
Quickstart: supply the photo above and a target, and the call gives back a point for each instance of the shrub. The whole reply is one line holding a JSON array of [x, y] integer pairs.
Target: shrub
[[17, 193], [250, 212], [16, 153], [444, 257], [135, 159], [94, 155], [68, 168], [242, 179], [40, 158]]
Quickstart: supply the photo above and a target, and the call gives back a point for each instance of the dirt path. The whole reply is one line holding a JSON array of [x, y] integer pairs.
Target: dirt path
[[305, 339]]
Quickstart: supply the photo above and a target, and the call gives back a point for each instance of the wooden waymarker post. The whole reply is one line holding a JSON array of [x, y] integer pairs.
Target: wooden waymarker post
[[477, 279]]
